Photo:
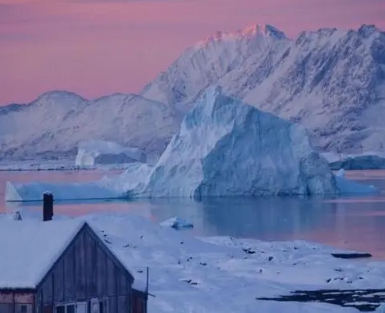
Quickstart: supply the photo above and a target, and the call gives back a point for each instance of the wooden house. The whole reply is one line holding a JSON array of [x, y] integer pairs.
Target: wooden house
[[63, 267]]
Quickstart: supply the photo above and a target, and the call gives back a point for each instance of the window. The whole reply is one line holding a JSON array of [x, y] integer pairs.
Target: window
[[70, 308], [23, 308], [60, 309], [103, 306], [67, 308]]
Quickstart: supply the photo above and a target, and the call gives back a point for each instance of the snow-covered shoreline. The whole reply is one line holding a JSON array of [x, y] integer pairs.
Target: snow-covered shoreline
[[38, 166], [224, 274]]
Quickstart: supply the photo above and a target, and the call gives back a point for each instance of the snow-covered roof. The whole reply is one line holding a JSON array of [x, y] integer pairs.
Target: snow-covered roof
[[29, 248], [139, 285]]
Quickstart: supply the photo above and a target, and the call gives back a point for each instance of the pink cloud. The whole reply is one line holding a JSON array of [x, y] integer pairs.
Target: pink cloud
[[95, 48]]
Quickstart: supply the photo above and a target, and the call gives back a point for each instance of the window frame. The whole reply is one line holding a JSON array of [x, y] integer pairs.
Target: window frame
[[85, 303], [65, 305]]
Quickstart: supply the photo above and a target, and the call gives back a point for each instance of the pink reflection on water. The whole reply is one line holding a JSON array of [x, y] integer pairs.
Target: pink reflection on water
[[347, 224], [76, 210], [356, 200], [365, 175], [367, 214]]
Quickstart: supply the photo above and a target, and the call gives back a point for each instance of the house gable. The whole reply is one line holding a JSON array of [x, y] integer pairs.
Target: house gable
[[108, 251], [86, 269]]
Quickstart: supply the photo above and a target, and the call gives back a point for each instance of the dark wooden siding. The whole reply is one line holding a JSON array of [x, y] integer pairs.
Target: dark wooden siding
[[139, 301], [86, 270]]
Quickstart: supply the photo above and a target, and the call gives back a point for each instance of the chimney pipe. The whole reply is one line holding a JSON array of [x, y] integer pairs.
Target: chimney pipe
[[47, 207]]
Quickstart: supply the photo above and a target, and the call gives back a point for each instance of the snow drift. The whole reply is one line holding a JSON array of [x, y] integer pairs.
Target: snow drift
[[227, 148], [95, 152]]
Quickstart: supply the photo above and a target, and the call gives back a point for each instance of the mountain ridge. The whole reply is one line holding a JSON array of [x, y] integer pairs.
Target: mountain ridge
[[325, 72], [331, 81], [62, 120], [234, 55]]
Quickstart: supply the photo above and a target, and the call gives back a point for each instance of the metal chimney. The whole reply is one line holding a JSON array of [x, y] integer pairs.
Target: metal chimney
[[47, 207]]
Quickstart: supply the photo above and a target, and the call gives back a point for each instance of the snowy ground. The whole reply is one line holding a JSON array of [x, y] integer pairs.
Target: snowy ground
[[222, 274]]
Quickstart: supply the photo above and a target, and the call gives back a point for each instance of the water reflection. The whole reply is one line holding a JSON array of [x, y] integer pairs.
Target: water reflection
[[354, 223], [265, 218]]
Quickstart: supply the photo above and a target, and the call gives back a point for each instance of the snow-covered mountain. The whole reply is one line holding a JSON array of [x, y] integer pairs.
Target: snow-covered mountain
[[331, 81], [205, 63], [55, 123]]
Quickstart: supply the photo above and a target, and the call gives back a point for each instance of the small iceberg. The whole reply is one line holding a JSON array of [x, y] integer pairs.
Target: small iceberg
[[177, 223], [93, 152], [347, 186], [15, 192]]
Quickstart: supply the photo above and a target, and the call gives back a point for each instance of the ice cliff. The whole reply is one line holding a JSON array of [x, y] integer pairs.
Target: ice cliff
[[228, 148]]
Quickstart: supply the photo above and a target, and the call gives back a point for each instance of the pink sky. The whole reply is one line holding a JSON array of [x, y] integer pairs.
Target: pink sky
[[98, 47]]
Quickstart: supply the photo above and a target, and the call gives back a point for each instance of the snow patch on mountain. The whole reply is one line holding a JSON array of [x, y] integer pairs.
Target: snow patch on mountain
[[206, 62], [252, 32]]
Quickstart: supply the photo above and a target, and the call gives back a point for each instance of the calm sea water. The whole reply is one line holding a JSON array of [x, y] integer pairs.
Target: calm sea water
[[348, 222]]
